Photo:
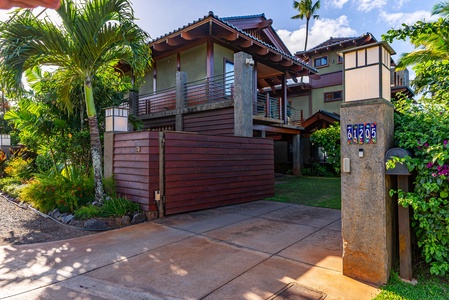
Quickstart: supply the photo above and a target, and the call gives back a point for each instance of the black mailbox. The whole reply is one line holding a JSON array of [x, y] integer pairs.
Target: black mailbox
[[399, 169]]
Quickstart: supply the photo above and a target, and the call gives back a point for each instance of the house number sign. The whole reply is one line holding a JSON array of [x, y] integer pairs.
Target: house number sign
[[359, 134]]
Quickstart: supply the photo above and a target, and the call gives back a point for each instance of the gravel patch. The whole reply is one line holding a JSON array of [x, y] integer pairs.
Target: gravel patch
[[23, 226]]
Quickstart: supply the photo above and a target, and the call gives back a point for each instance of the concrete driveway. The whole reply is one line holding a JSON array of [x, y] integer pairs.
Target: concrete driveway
[[257, 250]]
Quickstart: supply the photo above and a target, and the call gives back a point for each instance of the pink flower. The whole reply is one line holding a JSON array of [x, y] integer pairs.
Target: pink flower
[[429, 165]]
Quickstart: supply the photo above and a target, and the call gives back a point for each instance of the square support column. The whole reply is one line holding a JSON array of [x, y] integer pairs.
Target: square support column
[[367, 132], [245, 92], [181, 95], [108, 155]]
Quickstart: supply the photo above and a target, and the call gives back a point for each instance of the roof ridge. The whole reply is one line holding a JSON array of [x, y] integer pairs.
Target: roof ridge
[[242, 17]]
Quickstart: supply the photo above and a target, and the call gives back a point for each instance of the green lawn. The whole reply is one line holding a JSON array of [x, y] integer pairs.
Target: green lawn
[[428, 287], [325, 192], [311, 191]]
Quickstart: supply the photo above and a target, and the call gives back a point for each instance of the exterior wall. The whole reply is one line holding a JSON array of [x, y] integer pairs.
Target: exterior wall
[[332, 61], [147, 86], [166, 73], [220, 54], [331, 81], [319, 103], [301, 103], [193, 62], [219, 122]]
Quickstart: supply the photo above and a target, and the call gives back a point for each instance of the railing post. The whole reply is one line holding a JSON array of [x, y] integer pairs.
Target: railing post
[[181, 97], [268, 105]]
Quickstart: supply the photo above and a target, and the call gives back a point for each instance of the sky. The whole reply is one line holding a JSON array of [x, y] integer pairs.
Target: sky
[[337, 18]]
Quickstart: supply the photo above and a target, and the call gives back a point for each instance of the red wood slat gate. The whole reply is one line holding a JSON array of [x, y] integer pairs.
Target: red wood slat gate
[[197, 171]]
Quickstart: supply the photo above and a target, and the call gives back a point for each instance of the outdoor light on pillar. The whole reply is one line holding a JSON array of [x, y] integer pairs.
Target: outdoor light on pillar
[[5, 141], [367, 72], [367, 131], [116, 119]]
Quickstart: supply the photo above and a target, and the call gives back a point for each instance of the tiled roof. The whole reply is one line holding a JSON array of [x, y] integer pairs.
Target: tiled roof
[[223, 21], [336, 41], [243, 17]]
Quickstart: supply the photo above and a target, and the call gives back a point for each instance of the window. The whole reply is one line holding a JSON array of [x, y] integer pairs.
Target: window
[[320, 61], [340, 59], [333, 96], [229, 77]]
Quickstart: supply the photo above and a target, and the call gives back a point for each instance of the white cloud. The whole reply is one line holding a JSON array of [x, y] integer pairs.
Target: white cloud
[[321, 30], [368, 5], [397, 19], [399, 3], [338, 3]]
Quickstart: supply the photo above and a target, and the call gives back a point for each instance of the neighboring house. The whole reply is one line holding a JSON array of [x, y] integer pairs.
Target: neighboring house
[[321, 106], [224, 76]]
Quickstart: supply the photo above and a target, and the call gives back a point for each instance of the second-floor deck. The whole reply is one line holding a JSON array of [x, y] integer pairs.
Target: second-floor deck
[[210, 93]]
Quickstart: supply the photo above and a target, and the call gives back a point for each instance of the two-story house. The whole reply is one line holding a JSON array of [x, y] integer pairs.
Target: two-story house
[[197, 85]]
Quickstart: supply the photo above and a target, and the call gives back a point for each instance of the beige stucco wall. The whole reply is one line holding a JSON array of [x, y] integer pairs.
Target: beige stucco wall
[[147, 86], [193, 62], [166, 73], [220, 54], [319, 103]]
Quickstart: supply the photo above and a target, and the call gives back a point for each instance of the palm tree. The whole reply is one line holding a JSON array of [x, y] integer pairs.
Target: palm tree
[[307, 9], [90, 38]]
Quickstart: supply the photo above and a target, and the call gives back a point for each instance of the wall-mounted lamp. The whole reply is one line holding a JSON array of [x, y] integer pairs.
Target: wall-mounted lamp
[[116, 119], [249, 62]]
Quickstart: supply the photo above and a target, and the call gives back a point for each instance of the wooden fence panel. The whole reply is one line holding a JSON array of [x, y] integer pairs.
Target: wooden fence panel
[[205, 171], [136, 166]]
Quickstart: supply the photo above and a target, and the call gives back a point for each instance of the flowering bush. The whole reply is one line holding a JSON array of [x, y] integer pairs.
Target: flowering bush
[[424, 130]]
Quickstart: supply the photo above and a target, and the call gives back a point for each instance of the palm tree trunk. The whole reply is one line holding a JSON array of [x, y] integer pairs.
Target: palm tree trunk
[[307, 35], [95, 142]]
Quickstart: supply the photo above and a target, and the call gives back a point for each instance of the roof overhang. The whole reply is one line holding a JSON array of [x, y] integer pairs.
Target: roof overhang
[[236, 39]]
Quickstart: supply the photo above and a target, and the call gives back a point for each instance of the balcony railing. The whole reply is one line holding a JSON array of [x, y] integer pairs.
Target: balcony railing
[[268, 107], [210, 90], [158, 101]]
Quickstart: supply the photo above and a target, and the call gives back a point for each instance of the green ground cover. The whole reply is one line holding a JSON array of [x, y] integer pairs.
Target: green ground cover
[[311, 191]]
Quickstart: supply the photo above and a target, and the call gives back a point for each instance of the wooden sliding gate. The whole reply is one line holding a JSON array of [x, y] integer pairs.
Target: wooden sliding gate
[[189, 171]]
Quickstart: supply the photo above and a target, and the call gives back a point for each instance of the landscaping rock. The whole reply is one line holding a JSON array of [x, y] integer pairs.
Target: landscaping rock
[[151, 215], [125, 220], [53, 212], [67, 219], [56, 214], [94, 224], [137, 218]]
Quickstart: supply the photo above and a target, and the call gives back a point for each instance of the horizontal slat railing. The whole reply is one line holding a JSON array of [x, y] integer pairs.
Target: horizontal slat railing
[[267, 107], [210, 90], [158, 101]]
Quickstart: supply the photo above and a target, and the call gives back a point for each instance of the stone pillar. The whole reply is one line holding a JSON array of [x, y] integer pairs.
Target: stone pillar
[[181, 95], [296, 151], [244, 91], [367, 129], [108, 155]]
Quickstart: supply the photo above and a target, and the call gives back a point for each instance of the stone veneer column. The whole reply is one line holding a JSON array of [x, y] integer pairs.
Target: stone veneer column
[[367, 209], [244, 93], [108, 155], [181, 93], [368, 212]]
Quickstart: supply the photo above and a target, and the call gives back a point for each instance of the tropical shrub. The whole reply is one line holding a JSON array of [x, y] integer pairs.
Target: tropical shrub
[[329, 139], [113, 207], [46, 192], [424, 130]]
